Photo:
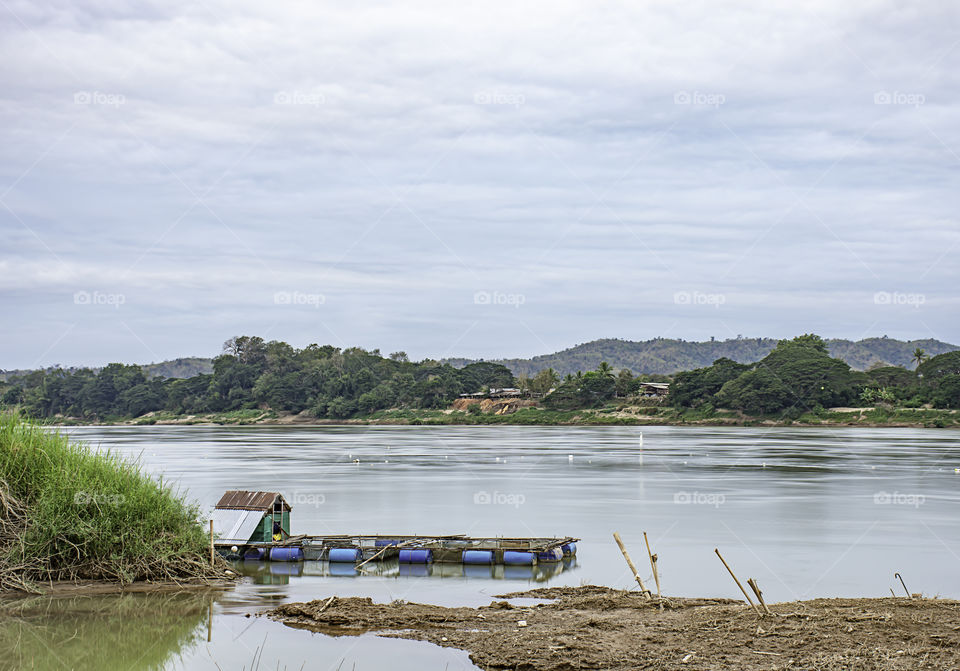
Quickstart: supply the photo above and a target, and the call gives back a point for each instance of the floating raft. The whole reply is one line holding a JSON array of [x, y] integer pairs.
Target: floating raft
[[255, 526], [350, 549]]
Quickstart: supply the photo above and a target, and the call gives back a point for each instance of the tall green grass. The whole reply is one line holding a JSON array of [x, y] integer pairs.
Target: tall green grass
[[74, 514]]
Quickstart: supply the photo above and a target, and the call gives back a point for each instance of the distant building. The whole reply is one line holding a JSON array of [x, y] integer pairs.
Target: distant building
[[506, 392], [654, 389]]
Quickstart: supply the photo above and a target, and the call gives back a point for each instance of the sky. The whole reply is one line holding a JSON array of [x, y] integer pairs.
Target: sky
[[488, 180]]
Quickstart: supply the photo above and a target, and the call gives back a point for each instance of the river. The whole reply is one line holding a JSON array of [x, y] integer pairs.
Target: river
[[808, 512]]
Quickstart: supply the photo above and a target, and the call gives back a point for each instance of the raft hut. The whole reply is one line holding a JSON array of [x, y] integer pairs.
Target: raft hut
[[244, 518], [243, 524]]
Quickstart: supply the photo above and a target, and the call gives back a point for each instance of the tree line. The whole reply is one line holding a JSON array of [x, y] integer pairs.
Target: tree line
[[252, 373], [797, 376]]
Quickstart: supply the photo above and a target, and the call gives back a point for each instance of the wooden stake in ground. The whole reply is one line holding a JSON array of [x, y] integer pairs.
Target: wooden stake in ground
[[653, 564], [211, 543], [636, 574], [756, 590], [749, 600]]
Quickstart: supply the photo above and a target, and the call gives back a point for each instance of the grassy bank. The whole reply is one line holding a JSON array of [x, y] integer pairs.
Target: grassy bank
[[67, 513]]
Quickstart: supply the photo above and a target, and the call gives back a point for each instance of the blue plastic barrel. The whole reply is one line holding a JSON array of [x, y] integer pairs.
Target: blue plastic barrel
[[477, 557], [554, 555], [416, 556], [254, 554], [569, 549], [517, 558], [286, 554], [386, 542], [344, 555]]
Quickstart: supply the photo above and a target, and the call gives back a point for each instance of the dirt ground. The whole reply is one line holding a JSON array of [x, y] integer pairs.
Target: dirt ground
[[601, 628]]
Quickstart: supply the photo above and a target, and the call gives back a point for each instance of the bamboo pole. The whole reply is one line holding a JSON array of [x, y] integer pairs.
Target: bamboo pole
[[211, 544], [636, 574], [756, 590], [653, 564], [388, 547], [730, 570]]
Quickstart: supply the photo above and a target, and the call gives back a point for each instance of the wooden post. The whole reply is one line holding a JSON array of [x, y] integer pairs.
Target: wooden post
[[756, 590], [749, 600], [636, 574], [211, 544], [653, 564]]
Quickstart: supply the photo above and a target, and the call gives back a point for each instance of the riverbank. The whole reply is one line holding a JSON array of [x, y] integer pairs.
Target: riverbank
[[612, 415], [601, 628]]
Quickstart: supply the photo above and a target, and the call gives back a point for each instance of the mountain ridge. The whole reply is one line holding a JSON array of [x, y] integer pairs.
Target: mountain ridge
[[666, 356]]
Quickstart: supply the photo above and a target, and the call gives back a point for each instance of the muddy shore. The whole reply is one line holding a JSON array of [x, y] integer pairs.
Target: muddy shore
[[601, 628]]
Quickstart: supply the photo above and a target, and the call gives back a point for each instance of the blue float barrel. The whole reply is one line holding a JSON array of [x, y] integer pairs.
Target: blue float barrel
[[569, 549], [254, 554], [344, 554], [385, 542], [554, 555], [517, 558], [416, 556], [477, 557], [286, 554]]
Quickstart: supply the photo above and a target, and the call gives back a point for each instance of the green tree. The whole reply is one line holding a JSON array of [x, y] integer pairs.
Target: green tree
[[624, 382]]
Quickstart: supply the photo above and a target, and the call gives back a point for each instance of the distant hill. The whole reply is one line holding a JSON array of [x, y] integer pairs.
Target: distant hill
[[665, 356], [185, 367]]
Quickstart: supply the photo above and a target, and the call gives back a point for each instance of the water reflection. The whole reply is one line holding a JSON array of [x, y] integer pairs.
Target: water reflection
[[279, 573], [123, 631]]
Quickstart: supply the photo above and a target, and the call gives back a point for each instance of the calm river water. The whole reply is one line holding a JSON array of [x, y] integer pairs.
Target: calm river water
[[807, 512]]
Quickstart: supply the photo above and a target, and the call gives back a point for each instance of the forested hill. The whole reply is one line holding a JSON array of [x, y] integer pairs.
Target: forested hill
[[665, 356], [175, 368]]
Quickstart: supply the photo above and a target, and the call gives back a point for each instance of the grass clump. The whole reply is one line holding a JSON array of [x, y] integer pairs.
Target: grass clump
[[68, 513]]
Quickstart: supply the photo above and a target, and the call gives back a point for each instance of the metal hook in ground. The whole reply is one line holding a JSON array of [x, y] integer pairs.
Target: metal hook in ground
[[900, 578]]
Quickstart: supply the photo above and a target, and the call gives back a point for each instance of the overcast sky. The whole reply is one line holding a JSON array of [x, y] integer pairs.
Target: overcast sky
[[479, 179]]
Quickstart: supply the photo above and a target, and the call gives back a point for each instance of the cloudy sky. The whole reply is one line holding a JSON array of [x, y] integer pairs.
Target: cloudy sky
[[486, 179]]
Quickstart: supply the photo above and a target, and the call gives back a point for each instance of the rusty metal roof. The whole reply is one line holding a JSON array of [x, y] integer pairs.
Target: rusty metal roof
[[242, 500]]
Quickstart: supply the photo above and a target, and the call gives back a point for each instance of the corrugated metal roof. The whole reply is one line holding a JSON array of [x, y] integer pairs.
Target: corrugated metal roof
[[243, 500], [234, 527]]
